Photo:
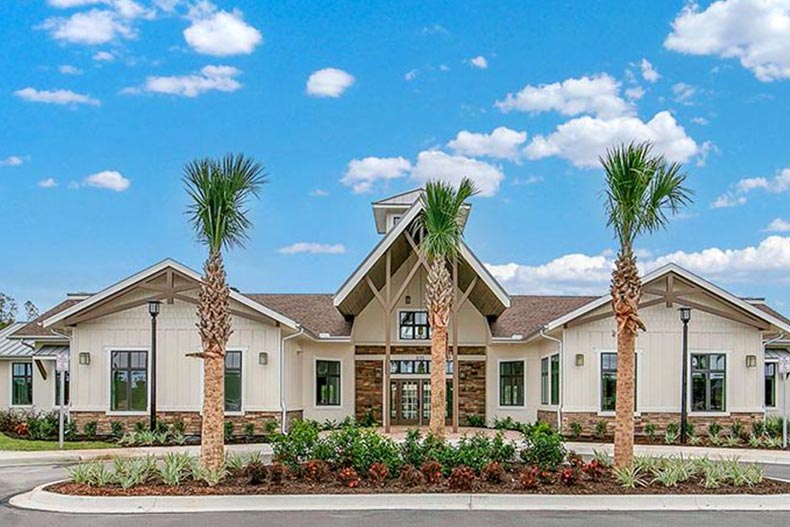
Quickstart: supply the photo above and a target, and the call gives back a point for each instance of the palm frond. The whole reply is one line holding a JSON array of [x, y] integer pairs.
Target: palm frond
[[642, 190], [440, 225], [218, 190]]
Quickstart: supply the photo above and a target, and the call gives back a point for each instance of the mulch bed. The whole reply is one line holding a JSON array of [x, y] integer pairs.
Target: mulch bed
[[639, 440], [240, 486]]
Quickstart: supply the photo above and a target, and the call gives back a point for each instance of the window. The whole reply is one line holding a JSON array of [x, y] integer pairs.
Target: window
[[22, 383], [67, 390], [327, 379], [511, 383], [555, 379], [770, 384], [708, 382], [233, 381], [544, 381], [416, 367], [414, 325], [609, 381], [129, 381]]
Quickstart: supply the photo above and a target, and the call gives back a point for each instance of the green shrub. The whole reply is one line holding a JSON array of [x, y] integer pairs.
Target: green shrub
[[368, 420], [296, 447], [70, 430], [475, 421], [228, 430], [543, 448], [178, 427], [508, 423], [758, 428], [90, 429], [600, 429], [42, 426], [576, 430], [117, 429], [650, 431], [714, 429]]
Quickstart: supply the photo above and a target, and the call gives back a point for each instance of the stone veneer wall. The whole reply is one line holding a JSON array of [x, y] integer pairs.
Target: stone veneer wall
[[368, 378], [471, 390], [191, 420], [589, 420]]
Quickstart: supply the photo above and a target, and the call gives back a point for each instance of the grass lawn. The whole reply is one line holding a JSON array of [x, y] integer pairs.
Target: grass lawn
[[28, 445]]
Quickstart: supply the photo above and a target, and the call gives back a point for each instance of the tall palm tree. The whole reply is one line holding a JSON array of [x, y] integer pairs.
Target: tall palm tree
[[641, 188], [440, 228], [218, 190]]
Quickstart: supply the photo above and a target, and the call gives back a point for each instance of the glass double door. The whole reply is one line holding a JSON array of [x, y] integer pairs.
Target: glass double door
[[411, 401]]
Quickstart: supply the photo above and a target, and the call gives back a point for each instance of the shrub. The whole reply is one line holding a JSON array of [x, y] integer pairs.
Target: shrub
[[432, 470], [508, 423], [270, 427], [359, 448], [296, 446], [117, 429], [475, 421], [493, 472], [368, 420], [411, 477], [316, 470], [21, 429], [576, 430], [629, 477], [90, 429], [758, 428], [650, 431], [543, 448], [568, 476], [349, 477], [601, 429], [255, 472], [736, 430], [594, 470], [70, 430], [670, 436], [178, 427], [603, 458], [574, 460], [228, 430], [9, 419], [43, 426], [528, 478], [249, 432], [140, 426], [714, 429], [461, 478], [174, 468], [378, 473], [278, 472]]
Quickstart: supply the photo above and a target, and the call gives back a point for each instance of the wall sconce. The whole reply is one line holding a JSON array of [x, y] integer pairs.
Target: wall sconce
[[579, 359], [407, 299], [85, 358], [263, 358], [751, 361]]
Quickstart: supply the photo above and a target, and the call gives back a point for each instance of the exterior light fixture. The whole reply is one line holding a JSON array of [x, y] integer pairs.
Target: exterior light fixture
[[154, 307], [685, 316], [153, 310], [408, 299], [751, 361], [85, 358], [263, 358], [579, 359]]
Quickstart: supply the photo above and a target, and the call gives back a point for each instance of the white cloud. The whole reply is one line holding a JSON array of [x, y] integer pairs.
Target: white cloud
[[706, 148], [479, 62], [778, 184], [583, 139], [436, 165], [726, 201], [362, 174], [67, 4], [756, 32], [68, 69], [220, 33], [56, 97], [502, 143], [649, 72], [103, 56], [598, 95], [210, 78], [634, 93], [11, 161], [319, 193], [523, 182], [97, 26], [410, 75], [778, 225], [590, 274], [47, 183], [684, 93], [329, 82], [108, 179], [312, 248], [700, 121]]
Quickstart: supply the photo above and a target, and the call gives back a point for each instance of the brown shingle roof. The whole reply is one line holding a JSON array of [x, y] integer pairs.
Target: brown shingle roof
[[771, 311], [315, 312], [35, 328], [527, 314]]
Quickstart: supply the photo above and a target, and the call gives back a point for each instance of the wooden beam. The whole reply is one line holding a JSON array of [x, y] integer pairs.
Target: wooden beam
[[609, 314], [417, 250], [743, 319], [41, 369], [404, 285], [110, 310], [457, 305], [377, 293], [670, 289]]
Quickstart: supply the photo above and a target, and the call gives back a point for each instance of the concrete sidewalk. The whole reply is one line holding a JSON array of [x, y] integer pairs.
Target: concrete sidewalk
[[9, 458], [747, 455]]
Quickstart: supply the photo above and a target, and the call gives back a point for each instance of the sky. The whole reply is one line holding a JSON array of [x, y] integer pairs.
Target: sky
[[103, 102]]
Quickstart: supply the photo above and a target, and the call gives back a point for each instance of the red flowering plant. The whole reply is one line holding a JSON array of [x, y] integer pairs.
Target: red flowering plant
[[378, 473], [349, 477]]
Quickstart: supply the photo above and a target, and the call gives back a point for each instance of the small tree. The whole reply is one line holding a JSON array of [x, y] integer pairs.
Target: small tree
[[31, 311], [7, 310], [640, 189]]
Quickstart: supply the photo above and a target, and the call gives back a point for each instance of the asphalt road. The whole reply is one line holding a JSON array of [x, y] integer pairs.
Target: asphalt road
[[14, 480]]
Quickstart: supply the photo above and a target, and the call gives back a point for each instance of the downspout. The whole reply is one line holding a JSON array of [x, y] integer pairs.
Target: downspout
[[561, 347], [283, 409], [765, 344]]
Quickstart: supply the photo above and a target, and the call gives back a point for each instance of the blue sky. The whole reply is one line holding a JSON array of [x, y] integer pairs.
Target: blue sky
[[103, 101]]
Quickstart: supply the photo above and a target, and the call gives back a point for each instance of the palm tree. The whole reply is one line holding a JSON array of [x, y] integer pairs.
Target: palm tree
[[640, 189], [218, 190], [440, 229]]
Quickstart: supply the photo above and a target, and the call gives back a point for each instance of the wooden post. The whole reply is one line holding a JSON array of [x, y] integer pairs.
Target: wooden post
[[387, 342], [456, 368]]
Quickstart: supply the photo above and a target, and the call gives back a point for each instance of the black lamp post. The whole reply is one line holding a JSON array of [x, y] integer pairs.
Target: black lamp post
[[153, 310], [685, 316]]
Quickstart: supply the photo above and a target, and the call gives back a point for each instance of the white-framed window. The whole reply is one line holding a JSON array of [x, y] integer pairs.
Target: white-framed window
[[328, 381], [234, 386], [413, 324], [21, 384], [770, 371], [708, 386], [511, 382], [550, 380], [128, 380], [393, 220]]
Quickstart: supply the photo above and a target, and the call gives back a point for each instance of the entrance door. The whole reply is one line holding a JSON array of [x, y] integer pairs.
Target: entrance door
[[411, 401]]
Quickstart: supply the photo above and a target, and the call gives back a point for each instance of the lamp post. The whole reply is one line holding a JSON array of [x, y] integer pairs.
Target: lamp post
[[685, 316], [153, 310]]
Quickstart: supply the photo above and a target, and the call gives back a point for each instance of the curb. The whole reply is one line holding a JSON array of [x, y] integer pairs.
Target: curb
[[41, 500]]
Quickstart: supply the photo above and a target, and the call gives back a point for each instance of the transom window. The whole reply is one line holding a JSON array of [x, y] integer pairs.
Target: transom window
[[708, 382], [233, 381], [770, 384], [413, 325], [609, 381], [511, 383], [129, 381], [22, 383], [415, 367], [327, 378]]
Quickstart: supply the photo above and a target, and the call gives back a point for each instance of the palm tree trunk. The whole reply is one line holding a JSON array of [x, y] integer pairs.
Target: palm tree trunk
[[626, 292], [214, 325], [439, 302]]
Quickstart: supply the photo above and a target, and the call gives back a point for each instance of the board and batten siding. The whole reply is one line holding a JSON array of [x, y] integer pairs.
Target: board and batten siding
[[312, 351], [659, 351], [179, 378]]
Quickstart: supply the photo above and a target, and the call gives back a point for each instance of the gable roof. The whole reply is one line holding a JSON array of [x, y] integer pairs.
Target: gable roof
[[314, 312], [135, 279], [528, 314], [13, 347], [35, 328]]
